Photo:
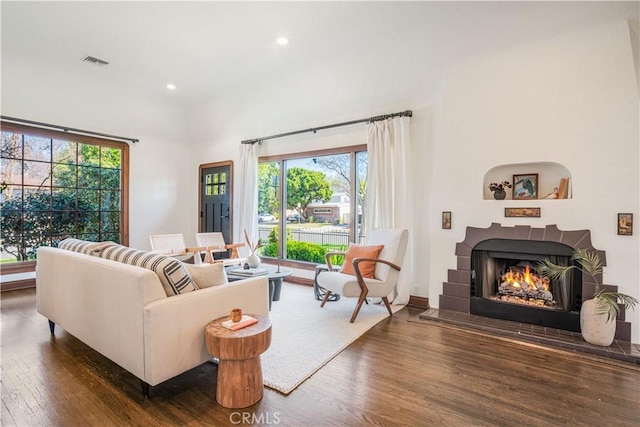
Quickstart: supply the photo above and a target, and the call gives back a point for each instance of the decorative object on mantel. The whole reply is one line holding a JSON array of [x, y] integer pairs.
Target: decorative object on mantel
[[596, 328], [499, 189], [625, 224], [522, 212], [525, 187], [560, 192], [446, 220], [563, 189], [253, 260], [552, 195]]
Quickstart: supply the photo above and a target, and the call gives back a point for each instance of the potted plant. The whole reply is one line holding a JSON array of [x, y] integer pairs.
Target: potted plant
[[499, 189], [597, 315]]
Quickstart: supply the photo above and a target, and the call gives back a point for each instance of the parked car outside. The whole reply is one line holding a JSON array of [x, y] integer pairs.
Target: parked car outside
[[266, 217], [295, 217]]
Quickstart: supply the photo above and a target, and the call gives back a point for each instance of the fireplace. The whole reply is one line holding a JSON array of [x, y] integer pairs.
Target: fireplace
[[476, 289], [504, 284]]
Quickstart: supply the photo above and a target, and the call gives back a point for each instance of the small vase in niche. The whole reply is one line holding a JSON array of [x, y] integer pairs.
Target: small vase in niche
[[499, 194], [499, 189], [253, 260]]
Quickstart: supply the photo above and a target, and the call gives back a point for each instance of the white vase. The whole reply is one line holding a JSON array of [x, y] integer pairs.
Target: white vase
[[594, 326], [253, 260]]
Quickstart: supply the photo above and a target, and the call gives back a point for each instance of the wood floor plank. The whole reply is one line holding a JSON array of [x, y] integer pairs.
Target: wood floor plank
[[399, 373]]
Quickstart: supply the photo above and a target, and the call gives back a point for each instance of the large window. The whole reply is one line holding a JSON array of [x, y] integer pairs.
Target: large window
[[56, 185], [318, 209]]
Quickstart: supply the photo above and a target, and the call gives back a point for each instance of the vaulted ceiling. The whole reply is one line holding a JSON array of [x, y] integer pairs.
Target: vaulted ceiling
[[361, 52]]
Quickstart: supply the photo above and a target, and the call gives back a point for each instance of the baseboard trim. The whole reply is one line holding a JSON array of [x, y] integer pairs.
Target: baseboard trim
[[420, 302], [299, 280]]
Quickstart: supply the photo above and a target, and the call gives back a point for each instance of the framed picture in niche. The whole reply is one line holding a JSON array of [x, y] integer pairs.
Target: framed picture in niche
[[446, 220], [625, 224], [525, 186]]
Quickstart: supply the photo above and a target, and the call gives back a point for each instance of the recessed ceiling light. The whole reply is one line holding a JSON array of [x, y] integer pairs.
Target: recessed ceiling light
[[171, 86], [282, 40]]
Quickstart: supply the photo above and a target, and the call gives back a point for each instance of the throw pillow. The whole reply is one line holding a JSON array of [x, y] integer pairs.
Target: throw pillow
[[358, 251], [185, 258], [84, 246], [76, 245], [207, 275], [97, 247], [171, 272]]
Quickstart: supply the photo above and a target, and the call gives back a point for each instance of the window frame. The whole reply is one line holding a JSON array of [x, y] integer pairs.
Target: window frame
[[29, 265], [352, 151]]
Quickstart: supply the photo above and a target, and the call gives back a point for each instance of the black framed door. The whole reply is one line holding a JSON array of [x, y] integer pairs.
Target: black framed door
[[216, 199]]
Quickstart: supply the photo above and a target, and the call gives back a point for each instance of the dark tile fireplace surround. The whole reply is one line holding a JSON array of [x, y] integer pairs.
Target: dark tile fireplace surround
[[457, 290]]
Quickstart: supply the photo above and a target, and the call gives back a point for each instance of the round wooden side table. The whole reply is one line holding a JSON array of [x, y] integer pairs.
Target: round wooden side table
[[239, 369]]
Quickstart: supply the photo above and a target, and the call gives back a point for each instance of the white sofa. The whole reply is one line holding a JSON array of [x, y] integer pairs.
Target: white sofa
[[123, 312]]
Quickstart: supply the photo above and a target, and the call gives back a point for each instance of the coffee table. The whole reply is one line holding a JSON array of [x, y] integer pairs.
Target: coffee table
[[239, 381], [275, 276]]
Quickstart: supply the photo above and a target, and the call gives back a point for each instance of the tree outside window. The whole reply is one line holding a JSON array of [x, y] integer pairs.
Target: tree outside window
[[56, 188], [320, 213]]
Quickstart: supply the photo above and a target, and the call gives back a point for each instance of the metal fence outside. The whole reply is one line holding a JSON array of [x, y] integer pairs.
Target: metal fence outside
[[323, 237]]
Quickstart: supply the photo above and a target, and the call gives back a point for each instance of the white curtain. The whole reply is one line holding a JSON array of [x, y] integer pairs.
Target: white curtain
[[388, 204], [247, 195]]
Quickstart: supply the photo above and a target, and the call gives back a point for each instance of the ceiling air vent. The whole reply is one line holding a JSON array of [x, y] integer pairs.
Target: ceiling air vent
[[94, 60]]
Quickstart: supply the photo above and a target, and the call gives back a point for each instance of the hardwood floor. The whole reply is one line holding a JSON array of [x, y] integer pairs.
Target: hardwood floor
[[399, 373]]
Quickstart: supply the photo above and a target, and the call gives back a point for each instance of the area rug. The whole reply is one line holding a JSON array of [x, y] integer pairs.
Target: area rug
[[305, 337]]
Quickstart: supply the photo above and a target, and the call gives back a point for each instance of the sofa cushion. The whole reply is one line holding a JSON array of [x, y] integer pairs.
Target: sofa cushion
[[171, 272], [358, 251], [207, 275]]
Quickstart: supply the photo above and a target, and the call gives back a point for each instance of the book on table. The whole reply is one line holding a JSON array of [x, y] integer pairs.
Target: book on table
[[259, 271], [243, 323]]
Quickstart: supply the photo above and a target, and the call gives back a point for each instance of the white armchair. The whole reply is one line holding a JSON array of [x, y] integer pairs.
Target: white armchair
[[385, 276], [173, 245], [167, 243], [214, 243]]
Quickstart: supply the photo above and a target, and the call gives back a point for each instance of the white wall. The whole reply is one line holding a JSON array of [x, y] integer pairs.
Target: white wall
[[163, 190], [571, 99]]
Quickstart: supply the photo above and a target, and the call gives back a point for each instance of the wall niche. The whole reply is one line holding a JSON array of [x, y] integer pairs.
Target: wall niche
[[550, 175]]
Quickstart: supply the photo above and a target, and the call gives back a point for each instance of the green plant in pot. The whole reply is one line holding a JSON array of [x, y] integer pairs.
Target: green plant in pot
[[597, 315]]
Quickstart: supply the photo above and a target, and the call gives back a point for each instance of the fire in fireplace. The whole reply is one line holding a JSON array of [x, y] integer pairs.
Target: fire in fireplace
[[523, 286], [506, 285]]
